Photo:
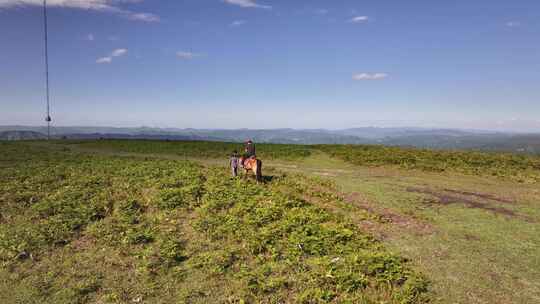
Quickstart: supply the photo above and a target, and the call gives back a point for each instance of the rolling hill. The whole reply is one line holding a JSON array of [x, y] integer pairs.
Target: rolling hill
[[444, 139]]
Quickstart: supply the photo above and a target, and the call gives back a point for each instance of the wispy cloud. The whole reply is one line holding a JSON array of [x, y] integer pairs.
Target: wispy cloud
[[114, 53], [247, 4], [238, 23], [359, 19], [187, 55], [103, 60], [145, 17], [368, 76], [321, 11], [513, 24], [90, 37], [108, 6], [119, 52]]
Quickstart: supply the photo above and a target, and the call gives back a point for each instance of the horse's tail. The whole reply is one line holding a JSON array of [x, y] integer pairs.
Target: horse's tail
[[258, 170]]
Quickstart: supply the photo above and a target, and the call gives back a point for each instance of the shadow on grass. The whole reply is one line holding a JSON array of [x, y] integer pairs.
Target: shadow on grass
[[265, 179]]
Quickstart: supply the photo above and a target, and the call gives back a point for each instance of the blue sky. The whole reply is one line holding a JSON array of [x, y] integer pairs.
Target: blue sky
[[274, 63]]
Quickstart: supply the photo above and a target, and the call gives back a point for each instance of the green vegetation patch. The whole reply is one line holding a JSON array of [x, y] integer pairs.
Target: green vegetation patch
[[518, 167], [84, 229], [522, 168], [290, 250], [197, 149]]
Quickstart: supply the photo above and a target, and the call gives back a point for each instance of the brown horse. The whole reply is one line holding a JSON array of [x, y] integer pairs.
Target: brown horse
[[254, 165]]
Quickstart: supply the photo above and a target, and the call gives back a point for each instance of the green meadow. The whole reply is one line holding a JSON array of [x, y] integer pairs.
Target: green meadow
[[118, 221]]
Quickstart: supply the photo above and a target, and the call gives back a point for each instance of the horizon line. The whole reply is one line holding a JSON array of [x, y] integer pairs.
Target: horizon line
[[507, 131]]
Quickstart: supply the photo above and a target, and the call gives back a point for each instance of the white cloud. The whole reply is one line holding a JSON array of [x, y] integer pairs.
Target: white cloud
[[109, 6], [186, 55], [90, 37], [321, 11], [368, 76], [359, 19], [247, 4], [146, 17], [238, 23], [104, 60], [118, 52], [513, 24], [109, 59]]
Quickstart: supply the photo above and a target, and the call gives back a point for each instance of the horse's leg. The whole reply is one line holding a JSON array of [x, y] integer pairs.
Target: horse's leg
[[254, 169], [258, 172]]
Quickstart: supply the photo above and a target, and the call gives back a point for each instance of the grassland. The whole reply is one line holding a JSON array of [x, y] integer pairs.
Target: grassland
[[518, 167], [80, 228], [197, 149], [119, 221], [522, 168]]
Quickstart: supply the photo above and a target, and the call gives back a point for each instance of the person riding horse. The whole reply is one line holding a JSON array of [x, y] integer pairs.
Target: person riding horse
[[249, 161], [249, 149]]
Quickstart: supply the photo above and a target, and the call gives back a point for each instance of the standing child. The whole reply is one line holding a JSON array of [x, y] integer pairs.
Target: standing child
[[234, 163]]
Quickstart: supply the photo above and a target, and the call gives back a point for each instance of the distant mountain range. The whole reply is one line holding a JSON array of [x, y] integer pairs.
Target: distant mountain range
[[21, 135], [413, 137]]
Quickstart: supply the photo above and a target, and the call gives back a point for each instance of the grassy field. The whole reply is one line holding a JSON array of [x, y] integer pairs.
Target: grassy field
[[521, 168], [196, 149], [80, 228], [161, 222]]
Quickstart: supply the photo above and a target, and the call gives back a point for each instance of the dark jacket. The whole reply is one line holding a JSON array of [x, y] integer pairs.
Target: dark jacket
[[250, 150]]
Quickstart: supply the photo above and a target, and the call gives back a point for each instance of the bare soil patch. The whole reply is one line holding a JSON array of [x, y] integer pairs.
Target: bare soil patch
[[82, 243], [446, 199], [388, 216], [470, 237], [482, 196]]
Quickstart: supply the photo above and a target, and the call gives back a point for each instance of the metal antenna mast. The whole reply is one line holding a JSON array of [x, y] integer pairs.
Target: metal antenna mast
[[48, 118]]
